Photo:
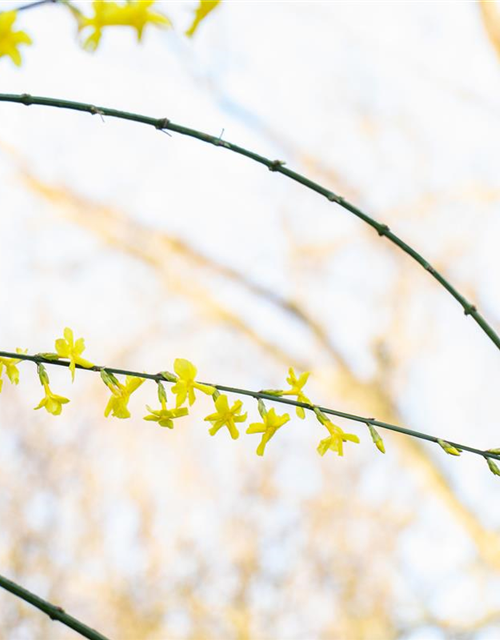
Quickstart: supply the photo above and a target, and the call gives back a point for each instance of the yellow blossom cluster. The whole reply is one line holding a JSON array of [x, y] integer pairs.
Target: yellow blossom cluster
[[68, 352], [136, 14]]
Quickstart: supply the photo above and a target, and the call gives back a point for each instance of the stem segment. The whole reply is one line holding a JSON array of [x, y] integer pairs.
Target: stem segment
[[164, 124], [33, 5], [54, 612]]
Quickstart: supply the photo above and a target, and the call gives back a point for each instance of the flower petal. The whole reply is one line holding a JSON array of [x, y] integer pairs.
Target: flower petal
[[184, 369]]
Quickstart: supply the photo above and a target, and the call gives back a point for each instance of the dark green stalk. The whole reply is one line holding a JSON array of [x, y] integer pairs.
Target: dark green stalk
[[164, 124], [54, 612], [33, 5], [40, 359]]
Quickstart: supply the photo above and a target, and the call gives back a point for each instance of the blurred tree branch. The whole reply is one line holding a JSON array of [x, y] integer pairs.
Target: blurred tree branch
[[490, 15], [373, 394]]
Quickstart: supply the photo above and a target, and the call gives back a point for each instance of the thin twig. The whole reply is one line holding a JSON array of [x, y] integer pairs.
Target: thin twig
[[273, 165], [158, 377], [33, 5], [54, 612]]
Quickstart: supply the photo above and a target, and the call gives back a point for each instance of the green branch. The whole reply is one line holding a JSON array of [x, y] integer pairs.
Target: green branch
[[158, 377], [164, 124], [54, 612], [33, 5]]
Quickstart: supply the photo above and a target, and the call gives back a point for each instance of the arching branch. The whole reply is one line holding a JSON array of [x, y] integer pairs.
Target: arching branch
[[278, 166]]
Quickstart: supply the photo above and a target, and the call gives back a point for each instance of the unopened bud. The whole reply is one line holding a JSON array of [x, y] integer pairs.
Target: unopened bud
[[169, 377], [450, 449], [493, 467], [377, 439]]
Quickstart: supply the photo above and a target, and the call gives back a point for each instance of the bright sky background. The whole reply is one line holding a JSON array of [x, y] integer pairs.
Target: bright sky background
[[395, 106]]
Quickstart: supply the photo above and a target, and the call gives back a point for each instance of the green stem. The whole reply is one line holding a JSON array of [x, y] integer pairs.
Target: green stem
[[54, 612], [164, 124], [38, 359], [33, 5]]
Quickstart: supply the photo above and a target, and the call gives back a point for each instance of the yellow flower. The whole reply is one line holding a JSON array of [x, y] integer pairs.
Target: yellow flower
[[186, 384], [118, 403], [268, 427], [67, 348], [9, 39], [337, 436], [226, 417], [204, 8], [11, 369], [164, 417], [296, 385], [135, 14], [52, 402]]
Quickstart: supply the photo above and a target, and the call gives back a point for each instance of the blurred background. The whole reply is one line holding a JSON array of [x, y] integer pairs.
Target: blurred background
[[155, 247]]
